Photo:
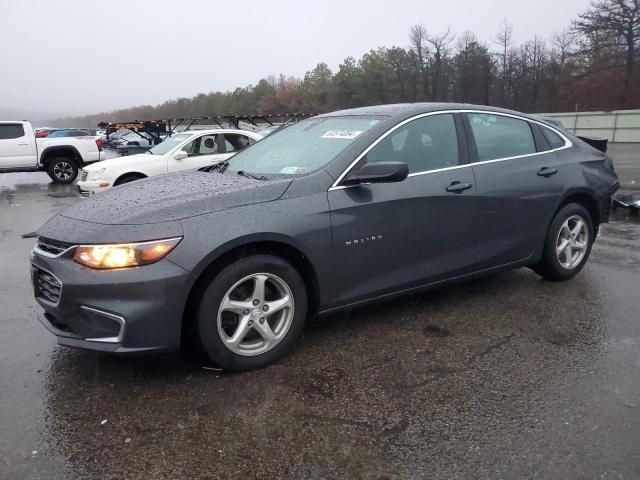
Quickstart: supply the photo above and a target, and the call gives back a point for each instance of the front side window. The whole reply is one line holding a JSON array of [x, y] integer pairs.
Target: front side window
[[427, 143], [235, 142], [497, 136], [169, 144], [304, 147], [9, 131]]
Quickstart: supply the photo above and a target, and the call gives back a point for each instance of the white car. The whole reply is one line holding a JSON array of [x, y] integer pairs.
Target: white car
[[182, 151]]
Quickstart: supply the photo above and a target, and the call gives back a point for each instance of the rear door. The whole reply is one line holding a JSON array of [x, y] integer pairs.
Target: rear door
[[17, 149], [392, 236], [202, 151], [519, 181]]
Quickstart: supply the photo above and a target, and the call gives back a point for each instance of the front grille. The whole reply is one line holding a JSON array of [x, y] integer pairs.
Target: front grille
[[83, 175], [47, 286], [54, 247]]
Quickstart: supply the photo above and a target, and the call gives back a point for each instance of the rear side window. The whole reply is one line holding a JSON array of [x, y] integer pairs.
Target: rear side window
[[497, 136], [11, 130], [235, 142], [427, 143], [555, 140]]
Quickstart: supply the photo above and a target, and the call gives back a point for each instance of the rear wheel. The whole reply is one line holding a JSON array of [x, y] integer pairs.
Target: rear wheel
[[62, 170], [251, 313], [568, 243]]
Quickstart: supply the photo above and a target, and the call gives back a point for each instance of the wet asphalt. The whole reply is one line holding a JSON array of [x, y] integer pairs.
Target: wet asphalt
[[505, 377]]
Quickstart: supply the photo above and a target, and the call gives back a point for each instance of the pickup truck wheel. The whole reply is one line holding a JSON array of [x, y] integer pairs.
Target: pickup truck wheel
[[251, 313], [62, 170]]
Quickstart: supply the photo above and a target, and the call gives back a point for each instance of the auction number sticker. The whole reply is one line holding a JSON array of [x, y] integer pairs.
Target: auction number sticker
[[345, 134]]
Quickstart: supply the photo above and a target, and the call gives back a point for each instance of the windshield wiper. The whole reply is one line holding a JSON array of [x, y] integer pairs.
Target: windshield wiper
[[242, 173], [220, 167]]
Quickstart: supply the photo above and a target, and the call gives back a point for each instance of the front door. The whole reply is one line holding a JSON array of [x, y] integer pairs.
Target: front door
[[202, 152], [394, 236], [16, 149]]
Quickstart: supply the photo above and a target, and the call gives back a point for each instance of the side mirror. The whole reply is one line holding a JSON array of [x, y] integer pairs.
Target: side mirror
[[381, 172], [180, 155]]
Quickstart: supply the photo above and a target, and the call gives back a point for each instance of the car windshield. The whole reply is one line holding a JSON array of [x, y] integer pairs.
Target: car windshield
[[169, 144], [303, 147]]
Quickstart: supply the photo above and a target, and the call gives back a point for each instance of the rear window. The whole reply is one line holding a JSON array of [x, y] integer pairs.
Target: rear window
[[11, 130], [555, 140], [498, 136]]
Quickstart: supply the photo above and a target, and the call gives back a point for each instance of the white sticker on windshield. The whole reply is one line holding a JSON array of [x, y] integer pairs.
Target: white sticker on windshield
[[345, 134]]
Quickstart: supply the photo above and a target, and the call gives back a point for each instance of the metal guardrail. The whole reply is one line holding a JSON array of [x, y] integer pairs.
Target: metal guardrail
[[619, 126]]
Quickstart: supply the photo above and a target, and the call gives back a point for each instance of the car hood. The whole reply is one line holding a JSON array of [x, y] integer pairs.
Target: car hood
[[125, 161], [175, 196]]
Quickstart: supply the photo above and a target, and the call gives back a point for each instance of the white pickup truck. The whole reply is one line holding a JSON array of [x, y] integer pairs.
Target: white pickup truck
[[60, 157]]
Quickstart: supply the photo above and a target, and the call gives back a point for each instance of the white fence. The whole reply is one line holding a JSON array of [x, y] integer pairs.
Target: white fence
[[619, 126]]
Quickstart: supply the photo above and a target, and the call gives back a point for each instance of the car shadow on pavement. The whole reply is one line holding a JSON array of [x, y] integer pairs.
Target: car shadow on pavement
[[359, 385]]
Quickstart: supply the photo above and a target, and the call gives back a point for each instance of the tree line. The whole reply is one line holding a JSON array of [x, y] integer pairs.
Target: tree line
[[594, 64]]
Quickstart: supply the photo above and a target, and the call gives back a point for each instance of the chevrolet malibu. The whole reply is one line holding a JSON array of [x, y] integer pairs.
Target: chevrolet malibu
[[336, 211]]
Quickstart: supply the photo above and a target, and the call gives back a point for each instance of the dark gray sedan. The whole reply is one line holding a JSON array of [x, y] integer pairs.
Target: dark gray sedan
[[336, 211]]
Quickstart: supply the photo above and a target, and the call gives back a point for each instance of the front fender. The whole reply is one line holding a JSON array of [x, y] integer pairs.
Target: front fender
[[302, 223]]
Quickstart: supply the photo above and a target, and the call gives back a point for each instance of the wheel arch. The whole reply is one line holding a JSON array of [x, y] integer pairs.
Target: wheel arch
[[271, 244], [583, 197], [139, 175], [67, 151]]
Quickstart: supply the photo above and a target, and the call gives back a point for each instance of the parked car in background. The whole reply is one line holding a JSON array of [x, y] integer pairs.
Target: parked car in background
[[69, 132], [44, 132], [333, 212], [60, 156], [134, 139], [188, 150]]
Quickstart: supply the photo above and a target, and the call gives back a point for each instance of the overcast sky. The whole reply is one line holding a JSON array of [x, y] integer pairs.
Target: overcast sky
[[68, 57]]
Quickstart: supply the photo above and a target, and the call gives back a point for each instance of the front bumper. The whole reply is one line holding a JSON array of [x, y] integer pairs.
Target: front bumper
[[88, 189], [126, 310]]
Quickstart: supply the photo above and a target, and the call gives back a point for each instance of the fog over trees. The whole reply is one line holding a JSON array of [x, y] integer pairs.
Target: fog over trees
[[594, 64]]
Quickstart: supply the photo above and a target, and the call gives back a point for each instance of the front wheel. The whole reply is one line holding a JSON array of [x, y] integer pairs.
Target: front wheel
[[568, 243], [62, 170], [251, 313]]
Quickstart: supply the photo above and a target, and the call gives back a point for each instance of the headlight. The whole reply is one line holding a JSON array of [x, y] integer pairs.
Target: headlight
[[93, 176], [124, 255]]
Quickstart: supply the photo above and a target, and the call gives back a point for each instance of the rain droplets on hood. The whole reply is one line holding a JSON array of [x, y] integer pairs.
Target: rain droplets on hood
[[173, 197]]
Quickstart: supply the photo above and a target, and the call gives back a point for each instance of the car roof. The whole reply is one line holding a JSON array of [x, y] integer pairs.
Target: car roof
[[217, 130], [409, 109]]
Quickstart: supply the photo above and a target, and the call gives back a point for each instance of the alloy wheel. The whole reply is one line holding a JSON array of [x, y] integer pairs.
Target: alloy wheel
[[572, 242], [63, 170], [255, 314]]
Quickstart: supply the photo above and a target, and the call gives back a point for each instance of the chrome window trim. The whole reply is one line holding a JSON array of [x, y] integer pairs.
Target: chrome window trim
[[117, 318], [51, 255], [567, 144]]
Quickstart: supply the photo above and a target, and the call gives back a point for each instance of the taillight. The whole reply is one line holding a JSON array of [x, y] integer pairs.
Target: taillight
[[100, 144]]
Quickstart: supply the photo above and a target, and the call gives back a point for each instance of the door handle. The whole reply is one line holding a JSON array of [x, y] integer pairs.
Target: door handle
[[547, 172], [458, 187], [23, 144]]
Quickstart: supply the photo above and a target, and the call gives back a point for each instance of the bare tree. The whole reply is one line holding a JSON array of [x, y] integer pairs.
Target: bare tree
[[503, 39], [441, 45], [418, 37], [613, 25]]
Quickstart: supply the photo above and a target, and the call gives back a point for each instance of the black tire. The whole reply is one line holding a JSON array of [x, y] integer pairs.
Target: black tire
[[128, 179], [207, 332], [550, 266], [62, 170]]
